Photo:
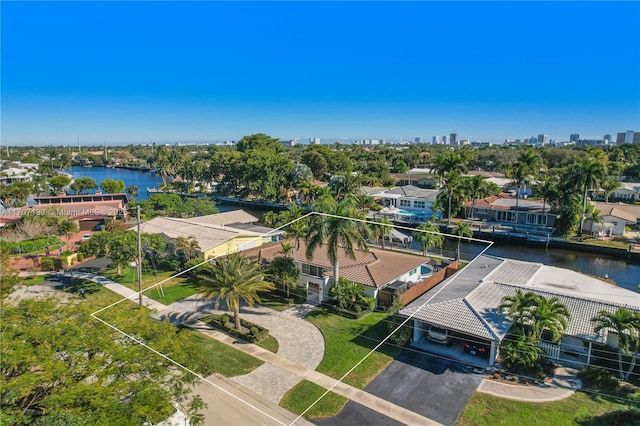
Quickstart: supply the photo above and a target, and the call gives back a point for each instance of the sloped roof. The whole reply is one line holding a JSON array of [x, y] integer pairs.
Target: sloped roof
[[225, 218], [469, 300], [414, 192], [627, 208], [614, 211], [374, 269], [504, 201], [208, 236]]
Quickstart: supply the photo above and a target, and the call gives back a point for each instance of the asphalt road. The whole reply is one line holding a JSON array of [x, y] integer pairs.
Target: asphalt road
[[433, 387]]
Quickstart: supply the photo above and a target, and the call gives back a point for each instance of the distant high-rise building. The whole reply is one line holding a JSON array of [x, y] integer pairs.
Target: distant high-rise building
[[574, 137], [532, 140], [543, 139], [628, 137], [418, 140], [292, 142], [314, 141], [453, 138], [434, 140], [445, 139], [607, 139]]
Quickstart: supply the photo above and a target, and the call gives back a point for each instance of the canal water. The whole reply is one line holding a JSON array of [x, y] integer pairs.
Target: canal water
[[626, 274]]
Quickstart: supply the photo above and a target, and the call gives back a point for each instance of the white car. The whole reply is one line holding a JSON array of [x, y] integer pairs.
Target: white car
[[439, 335], [85, 237]]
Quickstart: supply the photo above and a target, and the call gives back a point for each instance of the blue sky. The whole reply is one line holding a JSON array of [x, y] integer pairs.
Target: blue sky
[[125, 72]]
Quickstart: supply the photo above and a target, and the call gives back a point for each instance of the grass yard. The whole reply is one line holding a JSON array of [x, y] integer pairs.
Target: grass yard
[[33, 280], [172, 292], [270, 344], [305, 393], [581, 408], [347, 341], [174, 289], [274, 301]]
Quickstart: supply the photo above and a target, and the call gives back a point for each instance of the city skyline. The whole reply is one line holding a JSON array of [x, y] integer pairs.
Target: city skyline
[[212, 71]]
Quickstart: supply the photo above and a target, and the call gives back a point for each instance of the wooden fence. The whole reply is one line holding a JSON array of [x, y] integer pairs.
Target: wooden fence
[[385, 298]]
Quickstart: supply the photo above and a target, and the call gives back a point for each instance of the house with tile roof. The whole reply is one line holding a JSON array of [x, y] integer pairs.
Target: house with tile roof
[[466, 305], [529, 216], [375, 270], [614, 220], [217, 234]]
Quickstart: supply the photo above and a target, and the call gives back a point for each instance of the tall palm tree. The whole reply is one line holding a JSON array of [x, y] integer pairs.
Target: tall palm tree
[[284, 270], [476, 188], [626, 324], [596, 219], [607, 185], [287, 249], [449, 162], [132, 191], [522, 175], [585, 174], [428, 234], [337, 231], [518, 308], [454, 187], [462, 230], [547, 188], [382, 228], [233, 278], [550, 315]]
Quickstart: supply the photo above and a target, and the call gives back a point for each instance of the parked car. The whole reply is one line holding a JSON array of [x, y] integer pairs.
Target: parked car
[[439, 335], [85, 237], [477, 349]]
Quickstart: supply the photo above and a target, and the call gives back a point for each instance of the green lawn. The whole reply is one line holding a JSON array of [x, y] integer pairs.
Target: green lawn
[[274, 301], [305, 393], [172, 292], [270, 344], [174, 289], [36, 279], [581, 408], [347, 341]]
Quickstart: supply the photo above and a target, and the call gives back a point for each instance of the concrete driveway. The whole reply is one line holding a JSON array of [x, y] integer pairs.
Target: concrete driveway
[[434, 387]]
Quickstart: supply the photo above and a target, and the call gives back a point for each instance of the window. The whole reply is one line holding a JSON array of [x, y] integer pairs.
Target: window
[[506, 216], [413, 271], [419, 204], [312, 270], [405, 203], [536, 219], [482, 211]]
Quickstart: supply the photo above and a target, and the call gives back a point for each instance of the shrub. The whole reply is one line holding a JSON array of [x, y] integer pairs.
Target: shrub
[[47, 264], [80, 257], [31, 246], [224, 319], [66, 253], [261, 333], [168, 264], [598, 378], [255, 331], [404, 334]]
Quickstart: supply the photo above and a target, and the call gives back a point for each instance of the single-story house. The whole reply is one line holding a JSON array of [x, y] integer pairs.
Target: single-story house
[[466, 305], [629, 209], [15, 174], [531, 215], [628, 191], [217, 234], [614, 220], [375, 270]]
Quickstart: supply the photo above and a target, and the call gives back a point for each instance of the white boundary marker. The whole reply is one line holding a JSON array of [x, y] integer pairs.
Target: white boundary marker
[[338, 381]]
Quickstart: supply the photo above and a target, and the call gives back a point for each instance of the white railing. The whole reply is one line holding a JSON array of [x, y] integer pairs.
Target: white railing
[[551, 350]]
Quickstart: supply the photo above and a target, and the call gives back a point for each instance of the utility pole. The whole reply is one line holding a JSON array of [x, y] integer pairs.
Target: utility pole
[[139, 261]]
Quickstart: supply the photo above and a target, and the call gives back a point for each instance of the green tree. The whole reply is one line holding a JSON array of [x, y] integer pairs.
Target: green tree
[[83, 184], [132, 191], [475, 188], [259, 142], [285, 271], [518, 308], [233, 279], [58, 183], [68, 227], [520, 350], [607, 185], [449, 162], [626, 325], [112, 186], [187, 247], [381, 228], [16, 194], [428, 235], [462, 230], [337, 231], [585, 174], [549, 315], [8, 277], [348, 295]]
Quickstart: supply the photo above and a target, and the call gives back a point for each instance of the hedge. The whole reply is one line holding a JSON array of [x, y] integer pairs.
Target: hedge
[[261, 333], [31, 246], [347, 313]]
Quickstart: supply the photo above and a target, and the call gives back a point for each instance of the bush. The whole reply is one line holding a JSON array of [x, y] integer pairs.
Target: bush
[[598, 378], [66, 253], [255, 331], [404, 334], [47, 264], [31, 246], [80, 257], [167, 264], [348, 314], [261, 333], [224, 319]]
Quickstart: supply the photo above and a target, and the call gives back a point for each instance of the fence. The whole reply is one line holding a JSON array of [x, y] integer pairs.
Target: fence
[[385, 298], [551, 350]]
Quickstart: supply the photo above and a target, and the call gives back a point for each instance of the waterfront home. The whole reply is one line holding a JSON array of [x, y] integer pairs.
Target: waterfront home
[[14, 174], [628, 191], [408, 197], [217, 234], [376, 270], [500, 210], [465, 306], [614, 221], [632, 210]]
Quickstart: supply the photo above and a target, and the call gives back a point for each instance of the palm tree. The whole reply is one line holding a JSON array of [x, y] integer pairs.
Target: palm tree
[[462, 230], [520, 351], [476, 187], [547, 188], [428, 234], [449, 162], [550, 315], [521, 175], [67, 227], [382, 228], [337, 231], [585, 173], [285, 270], [607, 185], [596, 219], [518, 307], [233, 278], [132, 191], [287, 248], [188, 246], [454, 186], [626, 324]]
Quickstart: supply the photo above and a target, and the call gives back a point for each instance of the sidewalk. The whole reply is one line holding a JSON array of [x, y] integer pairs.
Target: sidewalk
[[277, 362], [563, 385]]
